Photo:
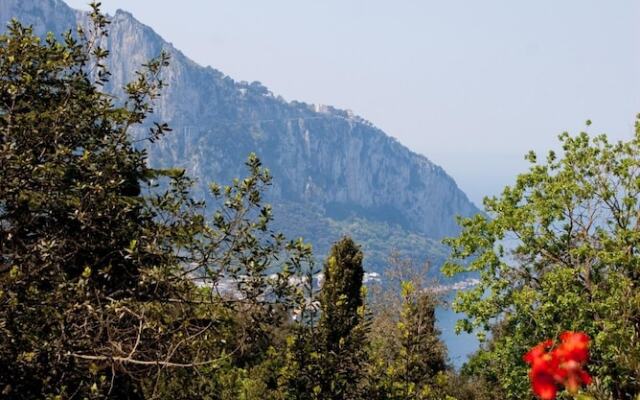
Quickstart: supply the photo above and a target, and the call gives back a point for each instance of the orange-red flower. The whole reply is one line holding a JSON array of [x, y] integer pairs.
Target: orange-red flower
[[543, 369], [574, 346], [572, 354], [562, 365]]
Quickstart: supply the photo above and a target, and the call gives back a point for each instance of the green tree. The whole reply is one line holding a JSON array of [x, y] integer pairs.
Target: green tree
[[110, 285], [68, 207], [342, 327], [408, 359], [421, 356], [559, 250], [298, 376]]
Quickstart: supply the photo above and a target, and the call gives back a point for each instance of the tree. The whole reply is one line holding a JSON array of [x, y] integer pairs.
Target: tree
[[69, 209], [298, 375], [342, 326], [421, 355], [109, 284], [557, 251], [408, 359]]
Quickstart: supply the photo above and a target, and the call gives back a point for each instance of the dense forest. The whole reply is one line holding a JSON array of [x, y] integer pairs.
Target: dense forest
[[116, 283]]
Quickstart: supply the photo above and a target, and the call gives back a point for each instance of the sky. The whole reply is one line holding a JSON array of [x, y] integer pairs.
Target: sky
[[472, 85]]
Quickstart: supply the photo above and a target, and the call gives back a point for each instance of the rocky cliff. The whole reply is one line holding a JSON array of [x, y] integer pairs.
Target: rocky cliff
[[334, 172]]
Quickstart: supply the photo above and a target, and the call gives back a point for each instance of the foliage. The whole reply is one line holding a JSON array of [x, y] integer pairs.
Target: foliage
[[408, 358], [559, 251], [377, 239], [342, 327], [110, 286], [421, 355]]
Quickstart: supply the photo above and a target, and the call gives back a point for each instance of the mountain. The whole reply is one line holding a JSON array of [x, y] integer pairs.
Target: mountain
[[334, 172]]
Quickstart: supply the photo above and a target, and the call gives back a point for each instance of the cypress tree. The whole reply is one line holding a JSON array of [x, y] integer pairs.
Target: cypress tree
[[342, 328]]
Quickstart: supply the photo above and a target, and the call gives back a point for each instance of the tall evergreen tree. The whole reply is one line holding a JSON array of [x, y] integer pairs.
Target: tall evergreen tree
[[342, 327]]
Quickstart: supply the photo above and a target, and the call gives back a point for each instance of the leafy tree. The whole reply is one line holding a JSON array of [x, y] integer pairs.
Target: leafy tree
[[342, 327], [298, 376], [110, 285], [559, 251], [420, 358], [408, 360], [69, 210]]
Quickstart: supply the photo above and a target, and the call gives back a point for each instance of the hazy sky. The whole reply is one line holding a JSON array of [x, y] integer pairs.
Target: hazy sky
[[473, 85]]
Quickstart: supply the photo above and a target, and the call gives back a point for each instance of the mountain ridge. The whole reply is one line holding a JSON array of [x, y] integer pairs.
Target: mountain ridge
[[333, 171]]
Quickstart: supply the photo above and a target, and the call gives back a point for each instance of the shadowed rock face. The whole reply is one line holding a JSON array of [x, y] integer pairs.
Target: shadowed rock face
[[334, 173]]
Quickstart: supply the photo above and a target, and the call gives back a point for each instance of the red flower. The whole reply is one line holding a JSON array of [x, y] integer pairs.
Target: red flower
[[574, 346], [562, 365], [572, 354], [543, 369]]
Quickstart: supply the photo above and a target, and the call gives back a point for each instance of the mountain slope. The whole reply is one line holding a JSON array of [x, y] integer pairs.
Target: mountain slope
[[334, 173]]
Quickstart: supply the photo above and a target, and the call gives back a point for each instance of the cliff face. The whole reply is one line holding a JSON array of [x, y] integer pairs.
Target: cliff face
[[44, 15], [334, 173]]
